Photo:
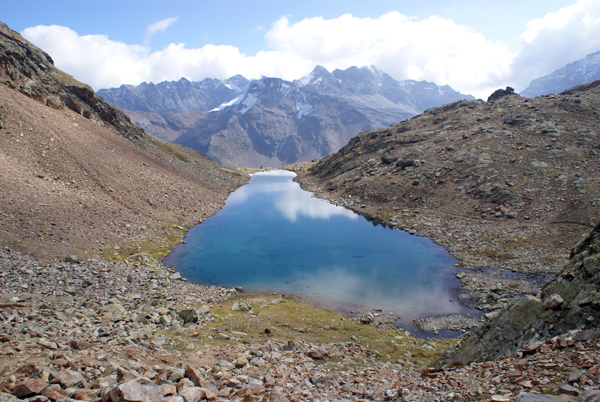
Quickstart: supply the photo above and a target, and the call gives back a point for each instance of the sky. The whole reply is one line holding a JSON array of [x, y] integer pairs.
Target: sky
[[473, 46]]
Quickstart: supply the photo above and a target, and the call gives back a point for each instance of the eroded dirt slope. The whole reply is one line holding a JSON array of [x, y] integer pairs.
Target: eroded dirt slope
[[72, 186]]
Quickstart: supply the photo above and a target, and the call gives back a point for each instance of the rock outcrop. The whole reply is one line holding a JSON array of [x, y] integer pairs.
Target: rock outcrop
[[569, 301], [31, 71]]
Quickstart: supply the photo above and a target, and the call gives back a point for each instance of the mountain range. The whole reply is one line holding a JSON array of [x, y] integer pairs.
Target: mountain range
[[576, 73], [273, 122]]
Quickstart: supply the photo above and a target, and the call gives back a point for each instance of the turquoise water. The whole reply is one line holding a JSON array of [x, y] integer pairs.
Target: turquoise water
[[273, 236]]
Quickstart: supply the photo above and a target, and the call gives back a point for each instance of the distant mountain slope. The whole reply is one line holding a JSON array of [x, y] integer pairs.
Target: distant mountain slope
[[77, 177], [271, 121], [580, 72]]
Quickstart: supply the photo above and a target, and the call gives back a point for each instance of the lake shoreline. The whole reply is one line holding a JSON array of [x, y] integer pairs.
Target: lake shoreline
[[438, 325]]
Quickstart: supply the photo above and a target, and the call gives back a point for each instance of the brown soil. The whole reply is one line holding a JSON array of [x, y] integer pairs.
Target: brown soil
[[72, 186]]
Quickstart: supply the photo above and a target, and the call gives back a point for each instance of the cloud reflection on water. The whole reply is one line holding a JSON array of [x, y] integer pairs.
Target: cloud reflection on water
[[292, 201], [344, 283]]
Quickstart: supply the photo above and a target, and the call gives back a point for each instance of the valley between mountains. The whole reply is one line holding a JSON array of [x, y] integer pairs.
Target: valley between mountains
[[89, 203]]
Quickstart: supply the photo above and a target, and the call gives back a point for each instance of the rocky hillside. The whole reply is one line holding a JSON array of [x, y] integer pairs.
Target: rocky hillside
[[31, 71], [569, 301], [78, 178], [582, 71], [508, 186], [273, 122]]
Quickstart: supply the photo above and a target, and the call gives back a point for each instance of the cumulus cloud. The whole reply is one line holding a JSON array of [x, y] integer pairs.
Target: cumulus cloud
[[102, 63], [433, 49]]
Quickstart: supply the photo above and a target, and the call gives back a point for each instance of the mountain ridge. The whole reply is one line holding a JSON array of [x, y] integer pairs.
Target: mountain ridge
[[322, 101], [579, 72]]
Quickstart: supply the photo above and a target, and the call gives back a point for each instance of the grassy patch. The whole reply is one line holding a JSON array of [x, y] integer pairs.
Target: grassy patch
[[288, 318], [168, 149], [159, 247]]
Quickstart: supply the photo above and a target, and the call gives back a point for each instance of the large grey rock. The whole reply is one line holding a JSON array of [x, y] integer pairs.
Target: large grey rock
[[193, 394], [189, 316], [138, 390]]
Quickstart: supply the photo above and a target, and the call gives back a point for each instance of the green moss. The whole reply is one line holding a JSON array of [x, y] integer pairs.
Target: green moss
[[288, 318], [168, 149], [3, 116], [66, 79]]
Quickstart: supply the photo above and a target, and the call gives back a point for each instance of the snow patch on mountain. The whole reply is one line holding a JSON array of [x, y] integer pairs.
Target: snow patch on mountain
[[303, 106], [233, 102]]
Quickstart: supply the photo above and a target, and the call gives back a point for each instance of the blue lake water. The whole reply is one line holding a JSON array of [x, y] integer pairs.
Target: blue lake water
[[273, 236]]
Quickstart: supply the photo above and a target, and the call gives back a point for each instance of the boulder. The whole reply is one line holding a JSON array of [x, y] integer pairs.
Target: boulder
[[29, 387], [189, 316]]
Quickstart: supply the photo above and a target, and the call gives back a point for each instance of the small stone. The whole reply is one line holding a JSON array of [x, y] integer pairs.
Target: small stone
[[241, 305], [553, 301], [140, 390], [241, 361], [193, 394], [73, 259], [569, 390], [47, 344], [29, 387], [576, 375], [317, 354], [86, 395], [367, 318]]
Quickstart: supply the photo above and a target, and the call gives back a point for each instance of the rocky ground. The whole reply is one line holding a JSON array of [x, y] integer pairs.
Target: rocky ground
[[116, 331]]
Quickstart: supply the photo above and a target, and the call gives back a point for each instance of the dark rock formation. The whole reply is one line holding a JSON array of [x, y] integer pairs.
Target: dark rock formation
[[31, 71], [499, 93]]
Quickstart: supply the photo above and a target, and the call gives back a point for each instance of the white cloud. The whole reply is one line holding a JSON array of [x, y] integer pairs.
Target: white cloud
[[160, 26], [433, 49]]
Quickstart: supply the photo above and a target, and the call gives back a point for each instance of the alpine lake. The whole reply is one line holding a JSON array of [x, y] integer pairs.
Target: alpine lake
[[273, 237]]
